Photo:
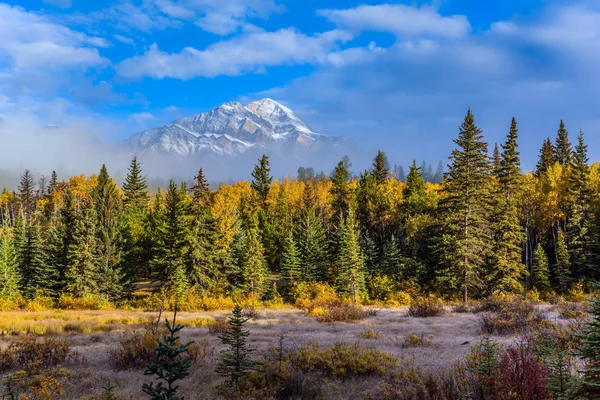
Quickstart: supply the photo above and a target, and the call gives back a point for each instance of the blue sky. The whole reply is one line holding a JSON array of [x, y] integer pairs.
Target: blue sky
[[396, 75]]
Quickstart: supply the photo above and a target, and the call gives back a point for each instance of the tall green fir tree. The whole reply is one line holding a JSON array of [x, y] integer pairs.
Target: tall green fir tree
[[564, 150], [135, 188], [350, 275], [36, 274], [10, 279], [541, 270], [562, 268], [62, 235], [465, 212], [83, 271], [381, 167], [340, 191], [508, 271], [27, 195], [311, 240], [580, 219], [414, 193], [289, 266], [262, 178], [547, 158]]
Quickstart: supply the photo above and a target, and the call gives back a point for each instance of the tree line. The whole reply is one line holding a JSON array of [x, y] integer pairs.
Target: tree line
[[488, 226]]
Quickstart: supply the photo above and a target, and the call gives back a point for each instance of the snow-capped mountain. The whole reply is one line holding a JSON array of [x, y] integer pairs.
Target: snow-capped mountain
[[232, 129]]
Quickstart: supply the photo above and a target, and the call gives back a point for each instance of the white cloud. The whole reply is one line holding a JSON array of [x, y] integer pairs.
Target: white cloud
[[142, 118], [124, 39], [400, 20], [32, 40], [248, 53]]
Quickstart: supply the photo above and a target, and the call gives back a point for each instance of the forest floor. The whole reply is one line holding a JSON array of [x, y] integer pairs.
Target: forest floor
[[92, 333]]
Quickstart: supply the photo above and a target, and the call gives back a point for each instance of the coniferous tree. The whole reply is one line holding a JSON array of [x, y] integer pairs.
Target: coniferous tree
[[253, 268], [563, 264], [541, 271], [439, 173], [547, 158], [466, 211], [508, 270], [496, 160], [415, 193], [399, 173], [589, 352], [393, 262], [53, 182], [36, 275], [135, 189], [27, 195], [82, 275], [262, 178], [62, 235], [289, 264], [350, 279], [564, 152], [10, 279], [236, 361], [200, 189], [340, 191], [312, 241], [579, 218], [381, 167], [109, 232]]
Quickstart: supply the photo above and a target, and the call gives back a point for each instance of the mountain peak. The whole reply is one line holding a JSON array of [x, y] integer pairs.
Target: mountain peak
[[230, 129]]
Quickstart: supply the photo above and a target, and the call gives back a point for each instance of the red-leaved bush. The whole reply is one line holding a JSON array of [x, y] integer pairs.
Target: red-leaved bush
[[523, 377]]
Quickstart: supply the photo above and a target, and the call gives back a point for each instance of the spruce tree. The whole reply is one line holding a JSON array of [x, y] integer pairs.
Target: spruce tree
[[466, 211], [579, 219], [289, 264], [589, 352], [350, 278], [82, 276], [27, 195], [541, 272], [200, 189], [439, 173], [236, 361], [262, 178], [109, 233], [563, 264], [312, 240], [62, 235], [10, 279], [340, 191], [415, 193], [508, 271], [36, 274], [253, 267], [53, 182], [399, 173], [393, 262], [564, 152], [547, 158], [496, 160], [381, 167], [135, 189]]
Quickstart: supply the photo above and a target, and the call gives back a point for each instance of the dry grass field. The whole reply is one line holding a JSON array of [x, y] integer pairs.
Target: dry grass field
[[432, 343]]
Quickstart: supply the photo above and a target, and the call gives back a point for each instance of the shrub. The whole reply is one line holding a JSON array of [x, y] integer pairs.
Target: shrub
[[135, 348], [343, 360], [576, 293], [400, 298], [218, 327], [522, 375], [381, 288], [570, 310], [252, 313], [87, 302], [369, 333], [509, 317], [412, 340], [342, 312], [33, 354], [40, 302], [533, 295], [425, 307]]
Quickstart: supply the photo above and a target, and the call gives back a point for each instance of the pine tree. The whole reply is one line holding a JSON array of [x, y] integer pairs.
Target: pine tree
[[10, 279], [547, 158], [393, 262], [289, 264], [508, 270], [168, 365], [262, 178], [350, 279], [590, 353], [253, 267], [381, 167], [541, 272], [36, 275], [200, 189], [399, 173], [62, 235], [466, 211], [109, 233], [496, 160], [53, 182], [135, 189], [579, 219], [564, 152], [312, 241], [563, 264], [415, 193], [340, 191], [439, 173], [82, 276], [27, 195], [236, 362]]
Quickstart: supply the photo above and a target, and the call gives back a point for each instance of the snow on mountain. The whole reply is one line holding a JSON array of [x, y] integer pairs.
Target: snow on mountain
[[231, 129]]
